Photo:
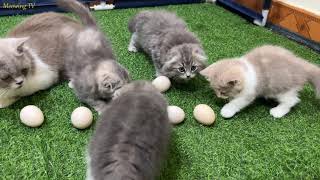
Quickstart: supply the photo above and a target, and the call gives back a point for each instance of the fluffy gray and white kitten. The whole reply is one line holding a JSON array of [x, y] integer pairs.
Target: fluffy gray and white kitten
[[22, 71], [94, 73], [31, 55], [175, 51], [132, 136]]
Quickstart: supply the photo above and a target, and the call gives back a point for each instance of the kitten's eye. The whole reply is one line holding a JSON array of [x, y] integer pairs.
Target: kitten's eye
[[108, 85], [181, 69], [223, 93], [194, 68], [5, 78], [24, 71]]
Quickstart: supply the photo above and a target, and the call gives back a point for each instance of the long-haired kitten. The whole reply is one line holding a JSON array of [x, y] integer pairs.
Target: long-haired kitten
[[267, 71], [30, 56], [131, 138], [175, 51], [94, 73], [33, 55]]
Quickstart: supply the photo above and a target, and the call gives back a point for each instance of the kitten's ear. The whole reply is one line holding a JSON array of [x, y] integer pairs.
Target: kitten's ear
[[173, 59], [207, 72], [170, 62], [200, 56], [19, 45], [126, 75]]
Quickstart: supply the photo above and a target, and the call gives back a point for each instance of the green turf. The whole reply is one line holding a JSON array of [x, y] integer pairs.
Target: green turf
[[252, 145]]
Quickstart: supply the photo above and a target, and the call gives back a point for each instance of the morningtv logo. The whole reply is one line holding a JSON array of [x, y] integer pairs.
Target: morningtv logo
[[7, 5]]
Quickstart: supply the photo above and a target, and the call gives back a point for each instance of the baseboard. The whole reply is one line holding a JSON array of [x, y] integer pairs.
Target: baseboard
[[296, 37]]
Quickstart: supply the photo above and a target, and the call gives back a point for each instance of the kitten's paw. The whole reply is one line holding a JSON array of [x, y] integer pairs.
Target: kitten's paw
[[278, 112], [99, 112], [132, 49], [70, 84], [99, 109], [6, 102], [159, 74], [228, 111]]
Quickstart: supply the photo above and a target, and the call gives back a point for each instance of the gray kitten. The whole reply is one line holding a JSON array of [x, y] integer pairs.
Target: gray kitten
[[94, 73], [31, 55], [175, 51], [22, 71], [132, 136]]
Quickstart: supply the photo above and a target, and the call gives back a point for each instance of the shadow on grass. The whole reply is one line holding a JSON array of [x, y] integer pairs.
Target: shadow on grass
[[172, 164], [195, 84], [38, 99]]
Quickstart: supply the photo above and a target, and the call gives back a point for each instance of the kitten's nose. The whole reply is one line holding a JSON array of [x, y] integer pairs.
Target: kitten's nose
[[188, 74], [19, 82]]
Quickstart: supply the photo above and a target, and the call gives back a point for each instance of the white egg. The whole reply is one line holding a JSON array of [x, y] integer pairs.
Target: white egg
[[31, 116], [162, 83], [204, 114], [81, 118], [176, 114]]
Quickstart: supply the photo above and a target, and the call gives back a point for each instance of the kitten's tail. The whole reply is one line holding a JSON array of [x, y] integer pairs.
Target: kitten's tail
[[313, 76], [79, 9], [132, 24], [141, 16]]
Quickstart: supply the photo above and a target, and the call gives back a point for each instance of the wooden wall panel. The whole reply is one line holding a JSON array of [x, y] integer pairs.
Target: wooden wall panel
[[314, 30], [295, 19]]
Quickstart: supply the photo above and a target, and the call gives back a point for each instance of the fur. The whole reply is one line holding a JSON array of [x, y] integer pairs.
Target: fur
[[267, 71], [32, 55], [131, 138], [94, 73], [33, 48], [55, 46], [38, 76], [174, 50]]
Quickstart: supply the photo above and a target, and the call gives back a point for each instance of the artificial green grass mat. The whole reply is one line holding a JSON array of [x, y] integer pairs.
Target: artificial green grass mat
[[252, 145]]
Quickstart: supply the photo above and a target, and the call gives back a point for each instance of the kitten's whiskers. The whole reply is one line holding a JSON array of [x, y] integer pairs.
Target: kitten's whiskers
[[3, 92]]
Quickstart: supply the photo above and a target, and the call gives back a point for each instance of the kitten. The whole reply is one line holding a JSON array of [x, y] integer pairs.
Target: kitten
[[267, 71], [175, 51], [32, 55], [30, 58], [132, 136], [94, 73]]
